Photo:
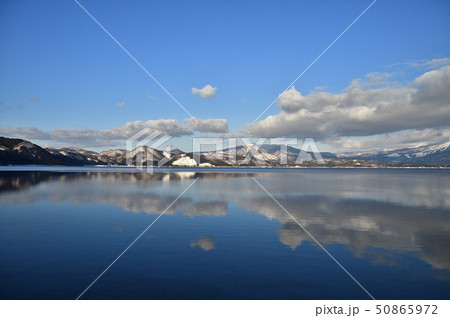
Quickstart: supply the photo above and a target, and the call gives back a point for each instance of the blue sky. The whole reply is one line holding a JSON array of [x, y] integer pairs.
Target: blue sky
[[59, 70]]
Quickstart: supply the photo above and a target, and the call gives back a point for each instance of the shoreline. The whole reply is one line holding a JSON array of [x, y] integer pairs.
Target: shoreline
[[133, 169]]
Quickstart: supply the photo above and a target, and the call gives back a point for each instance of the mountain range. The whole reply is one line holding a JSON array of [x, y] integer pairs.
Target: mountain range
[[431, 154], [15, 151]]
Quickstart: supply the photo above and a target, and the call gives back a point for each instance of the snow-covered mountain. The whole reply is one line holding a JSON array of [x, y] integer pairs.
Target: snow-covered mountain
[[266, 154], [431, 154], [293, 153], [18, 151], [243, 155], [76, 156]]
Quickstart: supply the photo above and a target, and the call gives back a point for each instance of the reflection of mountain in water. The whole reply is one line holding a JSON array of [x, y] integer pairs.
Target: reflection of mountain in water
[[20, 180], [354, 214], [207, 208]]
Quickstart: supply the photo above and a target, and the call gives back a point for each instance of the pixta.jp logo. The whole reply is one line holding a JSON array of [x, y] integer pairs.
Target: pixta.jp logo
[[141, 150]]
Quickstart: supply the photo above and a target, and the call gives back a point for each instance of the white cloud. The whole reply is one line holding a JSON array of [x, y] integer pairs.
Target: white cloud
[[121, 104], [213, 125], [361, 110], [431, 64], [206, 92], [376, 79], [25, 133], [104, 137], [87, 137]]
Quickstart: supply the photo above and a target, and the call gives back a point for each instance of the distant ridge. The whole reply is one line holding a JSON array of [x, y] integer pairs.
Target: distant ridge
[[14, 151], [431, 154]]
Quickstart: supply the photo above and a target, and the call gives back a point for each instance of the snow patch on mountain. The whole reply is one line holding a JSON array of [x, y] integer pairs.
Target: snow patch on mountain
[[113, 153]]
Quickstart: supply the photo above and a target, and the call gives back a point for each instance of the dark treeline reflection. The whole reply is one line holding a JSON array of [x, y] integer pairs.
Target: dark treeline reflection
[[370, 213], [19, 180]]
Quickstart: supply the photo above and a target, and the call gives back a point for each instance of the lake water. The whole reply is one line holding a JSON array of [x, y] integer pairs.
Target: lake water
[[225, 237]]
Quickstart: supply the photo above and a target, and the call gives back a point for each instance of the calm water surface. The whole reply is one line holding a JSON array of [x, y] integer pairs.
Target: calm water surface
[[225, 238]]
